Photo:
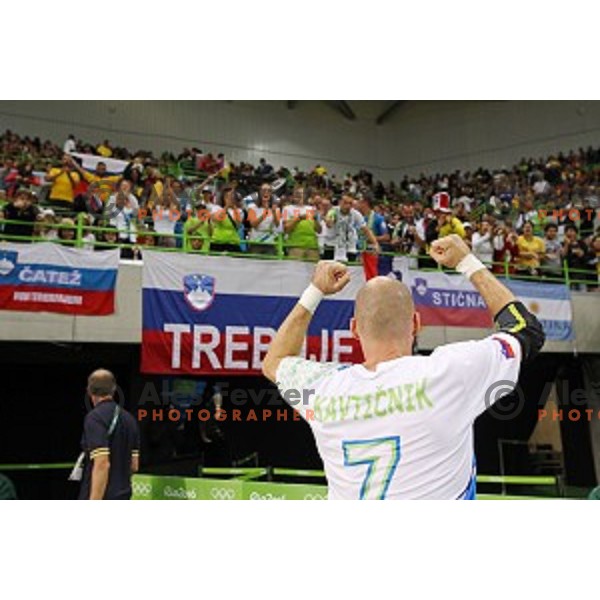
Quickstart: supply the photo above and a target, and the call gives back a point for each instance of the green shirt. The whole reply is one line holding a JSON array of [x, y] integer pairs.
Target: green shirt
[[225, 228], [202, 231], [303, 235]]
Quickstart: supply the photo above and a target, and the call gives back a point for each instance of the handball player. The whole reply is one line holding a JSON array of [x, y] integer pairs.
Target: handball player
[[400, 426]]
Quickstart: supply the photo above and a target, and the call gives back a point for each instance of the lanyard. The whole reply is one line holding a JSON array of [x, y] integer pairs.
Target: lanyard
[[115, 419]]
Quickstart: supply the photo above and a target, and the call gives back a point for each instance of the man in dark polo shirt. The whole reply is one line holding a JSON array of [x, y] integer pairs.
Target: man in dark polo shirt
[[110, 442]]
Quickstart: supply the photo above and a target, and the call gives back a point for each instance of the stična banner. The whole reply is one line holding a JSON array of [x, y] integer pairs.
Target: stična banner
[[451, 301], [49, 277]]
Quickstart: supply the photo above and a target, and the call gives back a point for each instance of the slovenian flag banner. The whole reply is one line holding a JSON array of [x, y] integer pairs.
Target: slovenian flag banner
[[90, 161], [52, 278], [207, 314], [450, 300]]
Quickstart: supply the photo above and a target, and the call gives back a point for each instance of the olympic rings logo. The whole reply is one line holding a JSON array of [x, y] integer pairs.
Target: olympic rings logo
[[222, 494], [314, 497], [267, 496], [141, 489], [179, 493]]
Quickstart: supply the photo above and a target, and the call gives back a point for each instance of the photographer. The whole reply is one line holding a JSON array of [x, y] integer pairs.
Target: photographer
[[408, 236]]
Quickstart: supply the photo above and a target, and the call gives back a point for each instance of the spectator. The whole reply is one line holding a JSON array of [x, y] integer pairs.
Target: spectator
[[552, 260], [23, 210], [197, 230], [264, 220], [576, 253], [122, 211], [67, 232], [101, 185], [301, 225], [226, 221], [482, 244], [108, 238], [145, 239], [69, 146], [531, 251], [468, 233], [375, 222], [506, 249], [346, 223], [89, 238], [104, 149], [165, 216], [44, 226], [408, 236], [64, 181], [264, 170], [446, 223], [22, 177], [325, 237], [595, 258]]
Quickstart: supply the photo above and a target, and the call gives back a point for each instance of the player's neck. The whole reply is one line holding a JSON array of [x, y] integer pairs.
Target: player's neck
[[380, 355]]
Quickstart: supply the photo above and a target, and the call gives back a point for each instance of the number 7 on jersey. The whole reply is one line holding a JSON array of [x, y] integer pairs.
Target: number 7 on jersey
[[381, 456]]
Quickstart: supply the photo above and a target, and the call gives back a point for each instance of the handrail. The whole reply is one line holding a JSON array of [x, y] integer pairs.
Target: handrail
[[568, 275]]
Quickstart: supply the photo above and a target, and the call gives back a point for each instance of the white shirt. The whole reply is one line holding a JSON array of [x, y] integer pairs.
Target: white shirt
[[69, 146], [483, 247], [292, 211], [123, 219], [464, 200], [164, 220], [345, 231], [403, 431], [266, 230]]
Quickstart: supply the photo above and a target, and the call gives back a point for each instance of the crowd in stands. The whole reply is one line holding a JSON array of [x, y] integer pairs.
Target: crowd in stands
[[529, 220]]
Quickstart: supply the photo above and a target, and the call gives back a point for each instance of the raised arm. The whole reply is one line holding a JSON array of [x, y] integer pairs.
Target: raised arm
[[329, 277], [509, 314]]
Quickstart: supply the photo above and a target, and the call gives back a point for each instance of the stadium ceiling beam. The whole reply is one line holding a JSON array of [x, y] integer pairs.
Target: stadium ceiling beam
[[389, 111], [343, 108]]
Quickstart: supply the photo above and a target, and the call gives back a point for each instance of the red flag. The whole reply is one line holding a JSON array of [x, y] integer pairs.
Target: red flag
[[370, 265]]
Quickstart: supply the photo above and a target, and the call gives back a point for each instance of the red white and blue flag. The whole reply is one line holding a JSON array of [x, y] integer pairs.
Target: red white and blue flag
[[49, 277], [208, 315], [451, 301]]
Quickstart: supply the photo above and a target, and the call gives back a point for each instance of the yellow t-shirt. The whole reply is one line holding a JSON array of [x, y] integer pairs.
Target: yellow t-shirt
[[105, 185], [62, 188], [536, 244], [453, 226], [103, 150]]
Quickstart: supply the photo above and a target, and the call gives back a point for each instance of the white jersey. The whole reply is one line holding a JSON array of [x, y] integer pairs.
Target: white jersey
[[403, 431]]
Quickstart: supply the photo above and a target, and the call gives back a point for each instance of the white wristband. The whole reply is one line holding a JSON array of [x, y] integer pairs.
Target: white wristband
[[311, 297], [469, 265]]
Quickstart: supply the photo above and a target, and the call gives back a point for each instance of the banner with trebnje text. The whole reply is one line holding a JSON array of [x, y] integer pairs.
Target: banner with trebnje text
[[51, 278], [218, 315]]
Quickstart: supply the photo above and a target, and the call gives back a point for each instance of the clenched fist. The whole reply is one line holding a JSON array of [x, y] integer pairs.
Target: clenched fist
[[449, 251], [330, 276]]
